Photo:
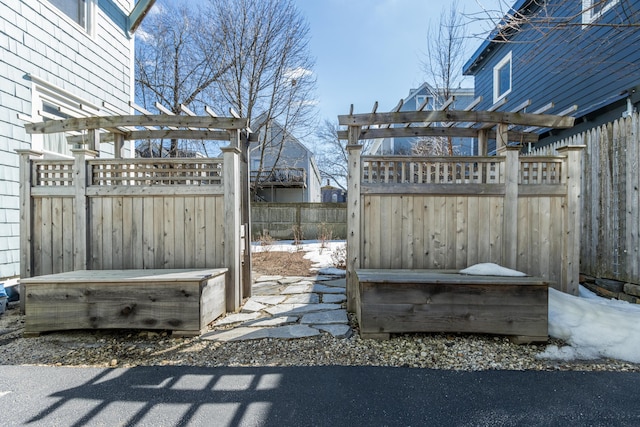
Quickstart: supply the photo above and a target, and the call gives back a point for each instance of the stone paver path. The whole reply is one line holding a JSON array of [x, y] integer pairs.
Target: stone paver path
[[288, 307]]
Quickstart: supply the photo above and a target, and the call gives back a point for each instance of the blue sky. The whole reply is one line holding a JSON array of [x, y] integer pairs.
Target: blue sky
[[371, 50]]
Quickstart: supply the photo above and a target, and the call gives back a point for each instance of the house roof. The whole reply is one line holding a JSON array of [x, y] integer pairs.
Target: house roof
[[138, 13], [485, 47]]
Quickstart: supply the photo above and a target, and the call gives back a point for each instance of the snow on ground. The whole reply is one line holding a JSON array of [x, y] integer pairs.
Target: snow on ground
[[593, 327], [320, 253]]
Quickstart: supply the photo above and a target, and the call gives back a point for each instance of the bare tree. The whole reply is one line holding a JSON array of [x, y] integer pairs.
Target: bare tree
[[437, 146], [331, 153], [444, 59], [271, 78], [171, 66], [445, 52]]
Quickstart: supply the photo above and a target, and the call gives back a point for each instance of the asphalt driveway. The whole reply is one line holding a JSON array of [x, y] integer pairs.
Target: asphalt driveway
[[313, 396]]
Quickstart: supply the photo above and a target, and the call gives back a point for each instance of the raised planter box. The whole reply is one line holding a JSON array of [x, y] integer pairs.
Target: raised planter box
[[399, 301], [182, 301]]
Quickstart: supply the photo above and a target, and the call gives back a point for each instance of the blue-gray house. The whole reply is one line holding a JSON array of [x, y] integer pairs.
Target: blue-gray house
[[577, 57], [427, 97]]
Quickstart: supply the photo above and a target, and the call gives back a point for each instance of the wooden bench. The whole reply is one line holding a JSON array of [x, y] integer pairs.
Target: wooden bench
[[183, 301], [399, 301]]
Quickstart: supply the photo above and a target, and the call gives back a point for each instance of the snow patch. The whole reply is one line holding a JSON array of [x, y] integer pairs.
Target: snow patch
[[593, 327], [491, 269]]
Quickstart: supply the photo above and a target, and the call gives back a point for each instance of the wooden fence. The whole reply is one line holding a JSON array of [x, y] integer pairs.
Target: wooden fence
[[610, 229], [288, 221], [453, 212], [112, 214]]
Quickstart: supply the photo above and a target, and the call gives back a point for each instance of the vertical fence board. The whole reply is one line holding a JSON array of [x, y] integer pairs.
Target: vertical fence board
[[473, 228], [147, 219], [107, 233], [189, 232], [484, 230], [95, 241], [407, 249], [57, 233], [67, 226], [547, 216], [158, 232], [462, 231], [178, 233], [46, 251], [200, 227], [117, 230], [128, 239]]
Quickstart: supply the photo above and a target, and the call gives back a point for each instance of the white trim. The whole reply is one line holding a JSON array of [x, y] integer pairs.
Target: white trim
[[506, 60], [68, 104], [587, 10]]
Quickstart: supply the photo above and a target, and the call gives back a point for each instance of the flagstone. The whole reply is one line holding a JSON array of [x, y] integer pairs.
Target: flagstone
[[297, 289], [236, 318], [325, 318], [334, 298], [272, 321], [300, 308], [268, 299], [251, 306], [304, 299], [338, 331], [327, 289]]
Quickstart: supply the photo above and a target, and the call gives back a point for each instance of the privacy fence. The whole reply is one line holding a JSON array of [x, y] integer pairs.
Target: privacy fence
[[453, 212], [609, 234], [91, 213]]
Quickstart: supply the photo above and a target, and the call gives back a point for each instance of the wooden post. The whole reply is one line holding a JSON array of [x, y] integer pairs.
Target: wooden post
[[354, 150], [510, 214], [26, 226], [118, 145], [572, 176], [246, 216], [232, 206], [502, 137], [93, 141], [483, 136], [81, 220]]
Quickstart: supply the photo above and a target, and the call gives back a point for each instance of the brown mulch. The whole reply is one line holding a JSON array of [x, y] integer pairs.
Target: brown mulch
[[280, 263]]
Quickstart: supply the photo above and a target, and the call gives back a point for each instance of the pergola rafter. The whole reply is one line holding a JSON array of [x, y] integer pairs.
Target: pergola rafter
[[503, 126]]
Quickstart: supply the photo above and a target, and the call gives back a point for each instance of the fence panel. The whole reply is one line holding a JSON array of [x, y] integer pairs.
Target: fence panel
[[609, 239], [453, 212]]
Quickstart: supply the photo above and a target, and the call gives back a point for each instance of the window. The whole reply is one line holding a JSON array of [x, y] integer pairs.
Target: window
[[79, 11], [502, 78], [420, 99], [50, 102], [594, 9]]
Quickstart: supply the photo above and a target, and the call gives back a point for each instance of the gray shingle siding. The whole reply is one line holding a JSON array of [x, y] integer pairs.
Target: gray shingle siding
[[36, 39]]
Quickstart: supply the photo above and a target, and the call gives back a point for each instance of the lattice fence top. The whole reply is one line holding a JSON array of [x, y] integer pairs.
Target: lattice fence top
[[157, 172]]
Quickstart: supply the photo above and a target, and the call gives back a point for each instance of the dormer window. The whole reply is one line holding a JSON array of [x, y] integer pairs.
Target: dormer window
[[594, 9], [502, 78]]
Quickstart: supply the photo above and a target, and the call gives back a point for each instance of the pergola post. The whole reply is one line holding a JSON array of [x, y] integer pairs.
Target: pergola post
[[80, 225], [354, 149], [483, 136], [572, 177], [26, 230], [502, 137], [246, 216], [232, 207], [510, 212]]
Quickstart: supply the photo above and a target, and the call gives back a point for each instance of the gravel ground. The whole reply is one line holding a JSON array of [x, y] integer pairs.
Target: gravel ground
[[135, 348]]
